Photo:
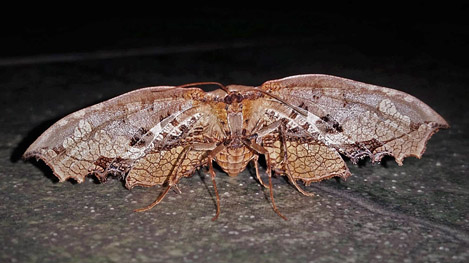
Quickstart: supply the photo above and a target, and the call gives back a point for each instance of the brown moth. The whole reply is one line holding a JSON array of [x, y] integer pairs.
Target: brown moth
[[301, 124]]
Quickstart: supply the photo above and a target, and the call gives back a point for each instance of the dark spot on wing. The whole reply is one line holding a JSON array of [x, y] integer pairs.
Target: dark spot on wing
[[139, 138], [59, 150], [174, 122], [329, 125], [303, 106], [115, 166]]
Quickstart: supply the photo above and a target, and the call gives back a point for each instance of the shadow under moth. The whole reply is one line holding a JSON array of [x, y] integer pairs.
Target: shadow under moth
[[301, 124]]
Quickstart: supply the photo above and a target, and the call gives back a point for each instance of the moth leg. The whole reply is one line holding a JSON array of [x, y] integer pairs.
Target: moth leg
[[268, 129], [176, 187], [212, 175], [256, 166], [272, 199], [172, 181], [157, 201], [261, 150], [211, 157], [285, 161]]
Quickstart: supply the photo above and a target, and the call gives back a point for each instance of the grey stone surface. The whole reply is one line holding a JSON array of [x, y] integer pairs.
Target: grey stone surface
[[383, 213]]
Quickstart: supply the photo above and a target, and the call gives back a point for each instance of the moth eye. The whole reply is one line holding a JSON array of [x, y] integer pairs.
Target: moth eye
[[239, 97], [228, 99]]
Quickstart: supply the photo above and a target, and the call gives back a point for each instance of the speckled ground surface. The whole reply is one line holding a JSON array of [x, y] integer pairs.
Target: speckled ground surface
[[383, 213]]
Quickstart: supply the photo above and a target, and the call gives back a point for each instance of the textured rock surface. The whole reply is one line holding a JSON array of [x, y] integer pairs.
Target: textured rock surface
[[383, 212]]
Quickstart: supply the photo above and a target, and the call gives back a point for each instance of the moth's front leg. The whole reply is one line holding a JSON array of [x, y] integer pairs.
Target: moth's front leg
[[261, 150], [289, 173], [254, 142], [308, 160], [172, 181], [177, 172], [256, 167]]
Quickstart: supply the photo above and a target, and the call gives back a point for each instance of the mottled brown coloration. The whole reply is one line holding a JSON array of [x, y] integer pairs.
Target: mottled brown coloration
[[302, 124]]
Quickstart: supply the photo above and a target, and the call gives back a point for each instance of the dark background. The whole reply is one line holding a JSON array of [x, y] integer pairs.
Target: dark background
[[58, 59], [396, 29]]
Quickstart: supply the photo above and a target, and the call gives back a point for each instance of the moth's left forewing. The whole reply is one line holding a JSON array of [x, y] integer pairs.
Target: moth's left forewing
[[359, 119], [111, 136]]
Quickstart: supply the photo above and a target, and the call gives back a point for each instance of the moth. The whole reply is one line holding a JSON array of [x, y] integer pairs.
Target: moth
[[301, 124]]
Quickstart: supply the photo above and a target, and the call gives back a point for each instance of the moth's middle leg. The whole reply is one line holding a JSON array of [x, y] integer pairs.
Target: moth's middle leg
[[211, 156], [212, 150]]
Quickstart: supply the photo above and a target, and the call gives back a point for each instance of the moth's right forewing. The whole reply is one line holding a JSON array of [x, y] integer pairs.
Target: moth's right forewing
[[360, 119]]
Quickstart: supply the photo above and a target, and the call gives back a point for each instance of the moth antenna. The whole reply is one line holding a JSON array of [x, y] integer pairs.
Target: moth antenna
[[297, 109], [204, 83]]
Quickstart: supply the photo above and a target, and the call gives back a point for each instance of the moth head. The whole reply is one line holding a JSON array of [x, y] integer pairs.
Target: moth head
[[236, 93], [233, 97]]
